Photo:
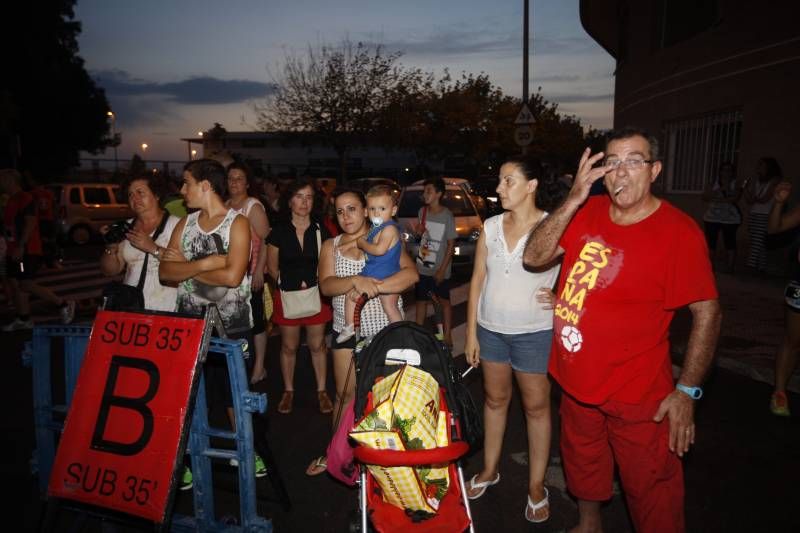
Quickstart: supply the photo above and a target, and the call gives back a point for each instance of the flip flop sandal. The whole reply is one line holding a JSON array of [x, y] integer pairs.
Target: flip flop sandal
[[544, 502], [325, 404], [480, 486], [317, 466]]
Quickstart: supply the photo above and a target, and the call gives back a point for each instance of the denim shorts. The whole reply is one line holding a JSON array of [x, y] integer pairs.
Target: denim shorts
[[525, 352]]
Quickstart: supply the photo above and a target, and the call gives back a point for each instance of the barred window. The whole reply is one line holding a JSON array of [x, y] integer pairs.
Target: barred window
[[695, 147]]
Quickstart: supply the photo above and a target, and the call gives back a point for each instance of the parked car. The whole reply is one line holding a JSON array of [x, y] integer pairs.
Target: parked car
[[83, 208], [489, 204], [458, 199]]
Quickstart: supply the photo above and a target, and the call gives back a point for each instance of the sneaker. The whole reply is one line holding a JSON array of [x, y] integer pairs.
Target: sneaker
[[18, 324], [779, 404], [261, 468], [67, 312], [347, 331], [186, 479]]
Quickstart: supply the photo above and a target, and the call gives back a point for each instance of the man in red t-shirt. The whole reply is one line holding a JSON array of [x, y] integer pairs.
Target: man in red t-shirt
[[630, 260], [24, 254]]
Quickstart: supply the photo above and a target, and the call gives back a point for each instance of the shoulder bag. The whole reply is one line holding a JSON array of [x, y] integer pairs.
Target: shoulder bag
[[118, 296]]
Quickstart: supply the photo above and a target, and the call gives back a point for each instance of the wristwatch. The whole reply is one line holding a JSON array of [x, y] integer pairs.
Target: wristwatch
[[695, 393], [157, 252]]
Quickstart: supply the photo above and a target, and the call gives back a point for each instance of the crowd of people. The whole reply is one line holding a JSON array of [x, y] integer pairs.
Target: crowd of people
[[565, 285]]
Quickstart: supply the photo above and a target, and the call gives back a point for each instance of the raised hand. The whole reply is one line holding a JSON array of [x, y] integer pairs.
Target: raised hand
[[782, 191], [586, 176]]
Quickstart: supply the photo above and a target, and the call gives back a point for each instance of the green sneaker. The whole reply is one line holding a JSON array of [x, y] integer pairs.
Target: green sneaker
[[261, 468], [186, 479], [779, 404]]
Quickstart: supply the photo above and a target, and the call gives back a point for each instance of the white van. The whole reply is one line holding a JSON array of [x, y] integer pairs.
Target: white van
[[84, 207]]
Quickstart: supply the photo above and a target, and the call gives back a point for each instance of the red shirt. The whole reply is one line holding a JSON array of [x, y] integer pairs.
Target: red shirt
[[21, 205], [617, 293], [45, 203]]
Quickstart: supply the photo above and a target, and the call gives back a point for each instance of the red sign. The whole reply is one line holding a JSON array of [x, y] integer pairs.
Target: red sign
[[123, 430]]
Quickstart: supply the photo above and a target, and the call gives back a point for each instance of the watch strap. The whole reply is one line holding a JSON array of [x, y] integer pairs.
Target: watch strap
[[695, 393]]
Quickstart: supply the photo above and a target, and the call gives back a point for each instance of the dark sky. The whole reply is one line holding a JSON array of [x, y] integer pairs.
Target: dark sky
[[173, 68]]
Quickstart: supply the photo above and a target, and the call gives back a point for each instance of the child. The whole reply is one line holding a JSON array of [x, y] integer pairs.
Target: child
[[437, 232], [382, 247]]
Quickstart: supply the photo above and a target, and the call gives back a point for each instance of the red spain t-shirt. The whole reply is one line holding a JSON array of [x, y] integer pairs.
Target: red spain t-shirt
[[618, 290]]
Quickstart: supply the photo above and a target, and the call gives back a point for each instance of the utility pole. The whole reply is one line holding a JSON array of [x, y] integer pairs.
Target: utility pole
[[525, 54]]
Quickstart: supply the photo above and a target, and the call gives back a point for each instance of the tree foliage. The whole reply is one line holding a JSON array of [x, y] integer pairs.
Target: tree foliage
[[350, 94], [50, 108], [336, 94]]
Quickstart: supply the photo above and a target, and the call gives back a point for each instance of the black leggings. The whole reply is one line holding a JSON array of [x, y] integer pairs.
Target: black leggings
[[728, 235]]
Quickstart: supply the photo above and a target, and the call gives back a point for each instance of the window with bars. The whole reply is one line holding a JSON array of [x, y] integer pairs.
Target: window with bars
[[695, 147]]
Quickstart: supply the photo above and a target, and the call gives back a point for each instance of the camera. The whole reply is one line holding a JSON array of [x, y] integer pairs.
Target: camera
[[116, 231]]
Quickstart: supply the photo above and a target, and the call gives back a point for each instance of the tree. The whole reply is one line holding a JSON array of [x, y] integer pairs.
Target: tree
[[336, 95], [470, 118], [51, 108]]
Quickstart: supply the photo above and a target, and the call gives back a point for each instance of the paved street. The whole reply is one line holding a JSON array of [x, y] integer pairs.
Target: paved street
[[740, 476]]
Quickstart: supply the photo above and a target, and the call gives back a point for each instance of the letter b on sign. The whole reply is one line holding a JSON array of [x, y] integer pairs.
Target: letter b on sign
[[139, 405]]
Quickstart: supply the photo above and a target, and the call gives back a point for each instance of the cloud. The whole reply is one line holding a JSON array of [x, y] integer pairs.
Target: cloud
[[575, 98], [198, 90], [462, 41]]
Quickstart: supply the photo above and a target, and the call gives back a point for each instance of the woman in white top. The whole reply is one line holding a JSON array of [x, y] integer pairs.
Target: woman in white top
[[128, 255], [340, 265], [510, 326], [759, 193], [239, 179]]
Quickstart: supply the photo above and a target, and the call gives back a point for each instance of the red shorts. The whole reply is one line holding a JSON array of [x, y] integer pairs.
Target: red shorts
[[325, 314], [594, 436]]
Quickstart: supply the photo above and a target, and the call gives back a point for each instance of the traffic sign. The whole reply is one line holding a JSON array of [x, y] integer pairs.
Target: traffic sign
[[523, 135], [123, 432], [524, 117]]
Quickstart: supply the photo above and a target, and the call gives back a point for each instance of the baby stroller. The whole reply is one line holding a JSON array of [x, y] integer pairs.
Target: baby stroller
[[408, 343]]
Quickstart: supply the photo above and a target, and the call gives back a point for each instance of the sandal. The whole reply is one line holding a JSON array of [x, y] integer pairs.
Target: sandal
[[317, 466], [285, 405], [481, 486], [544, 503], [325, 404]]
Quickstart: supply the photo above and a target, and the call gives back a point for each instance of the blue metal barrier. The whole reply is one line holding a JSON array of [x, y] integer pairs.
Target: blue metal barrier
[[48, 424]]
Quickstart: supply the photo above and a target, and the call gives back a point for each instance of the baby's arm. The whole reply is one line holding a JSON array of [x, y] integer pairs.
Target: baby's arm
[[387, 238]]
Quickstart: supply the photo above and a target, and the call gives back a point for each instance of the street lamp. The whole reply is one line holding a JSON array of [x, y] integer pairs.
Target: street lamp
[[200, 133], [113, 118], [194, 153]]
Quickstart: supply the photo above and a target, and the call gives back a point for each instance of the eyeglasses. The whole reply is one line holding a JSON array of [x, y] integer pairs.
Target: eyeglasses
[[630, 164]]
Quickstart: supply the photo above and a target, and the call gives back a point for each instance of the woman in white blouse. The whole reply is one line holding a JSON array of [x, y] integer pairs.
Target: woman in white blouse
[[129, 255], [510, 328]]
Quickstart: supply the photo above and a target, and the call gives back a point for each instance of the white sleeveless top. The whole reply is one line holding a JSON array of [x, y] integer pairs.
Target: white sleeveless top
[[373, 319], [507, 303], [233, 302], [157, 297]]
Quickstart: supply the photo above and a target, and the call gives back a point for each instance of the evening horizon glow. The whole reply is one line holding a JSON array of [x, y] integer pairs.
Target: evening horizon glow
[[172, 69]]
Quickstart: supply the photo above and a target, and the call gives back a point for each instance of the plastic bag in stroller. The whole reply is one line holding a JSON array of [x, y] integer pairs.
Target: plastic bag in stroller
[[405, 343]]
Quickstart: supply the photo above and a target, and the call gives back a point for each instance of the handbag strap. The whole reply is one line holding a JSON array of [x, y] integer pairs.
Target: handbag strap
[[159, 231]]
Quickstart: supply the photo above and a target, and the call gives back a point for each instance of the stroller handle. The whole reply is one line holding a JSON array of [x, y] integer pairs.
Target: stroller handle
[[362, 300], [445, 454]]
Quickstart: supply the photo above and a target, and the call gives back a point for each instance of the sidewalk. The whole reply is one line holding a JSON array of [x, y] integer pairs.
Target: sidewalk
[[752, 326]]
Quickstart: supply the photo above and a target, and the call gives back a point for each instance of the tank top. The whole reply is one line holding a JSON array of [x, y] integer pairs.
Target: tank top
[[373, 319], [507, 302], [193, 296], [382, 266], [255, 242]]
